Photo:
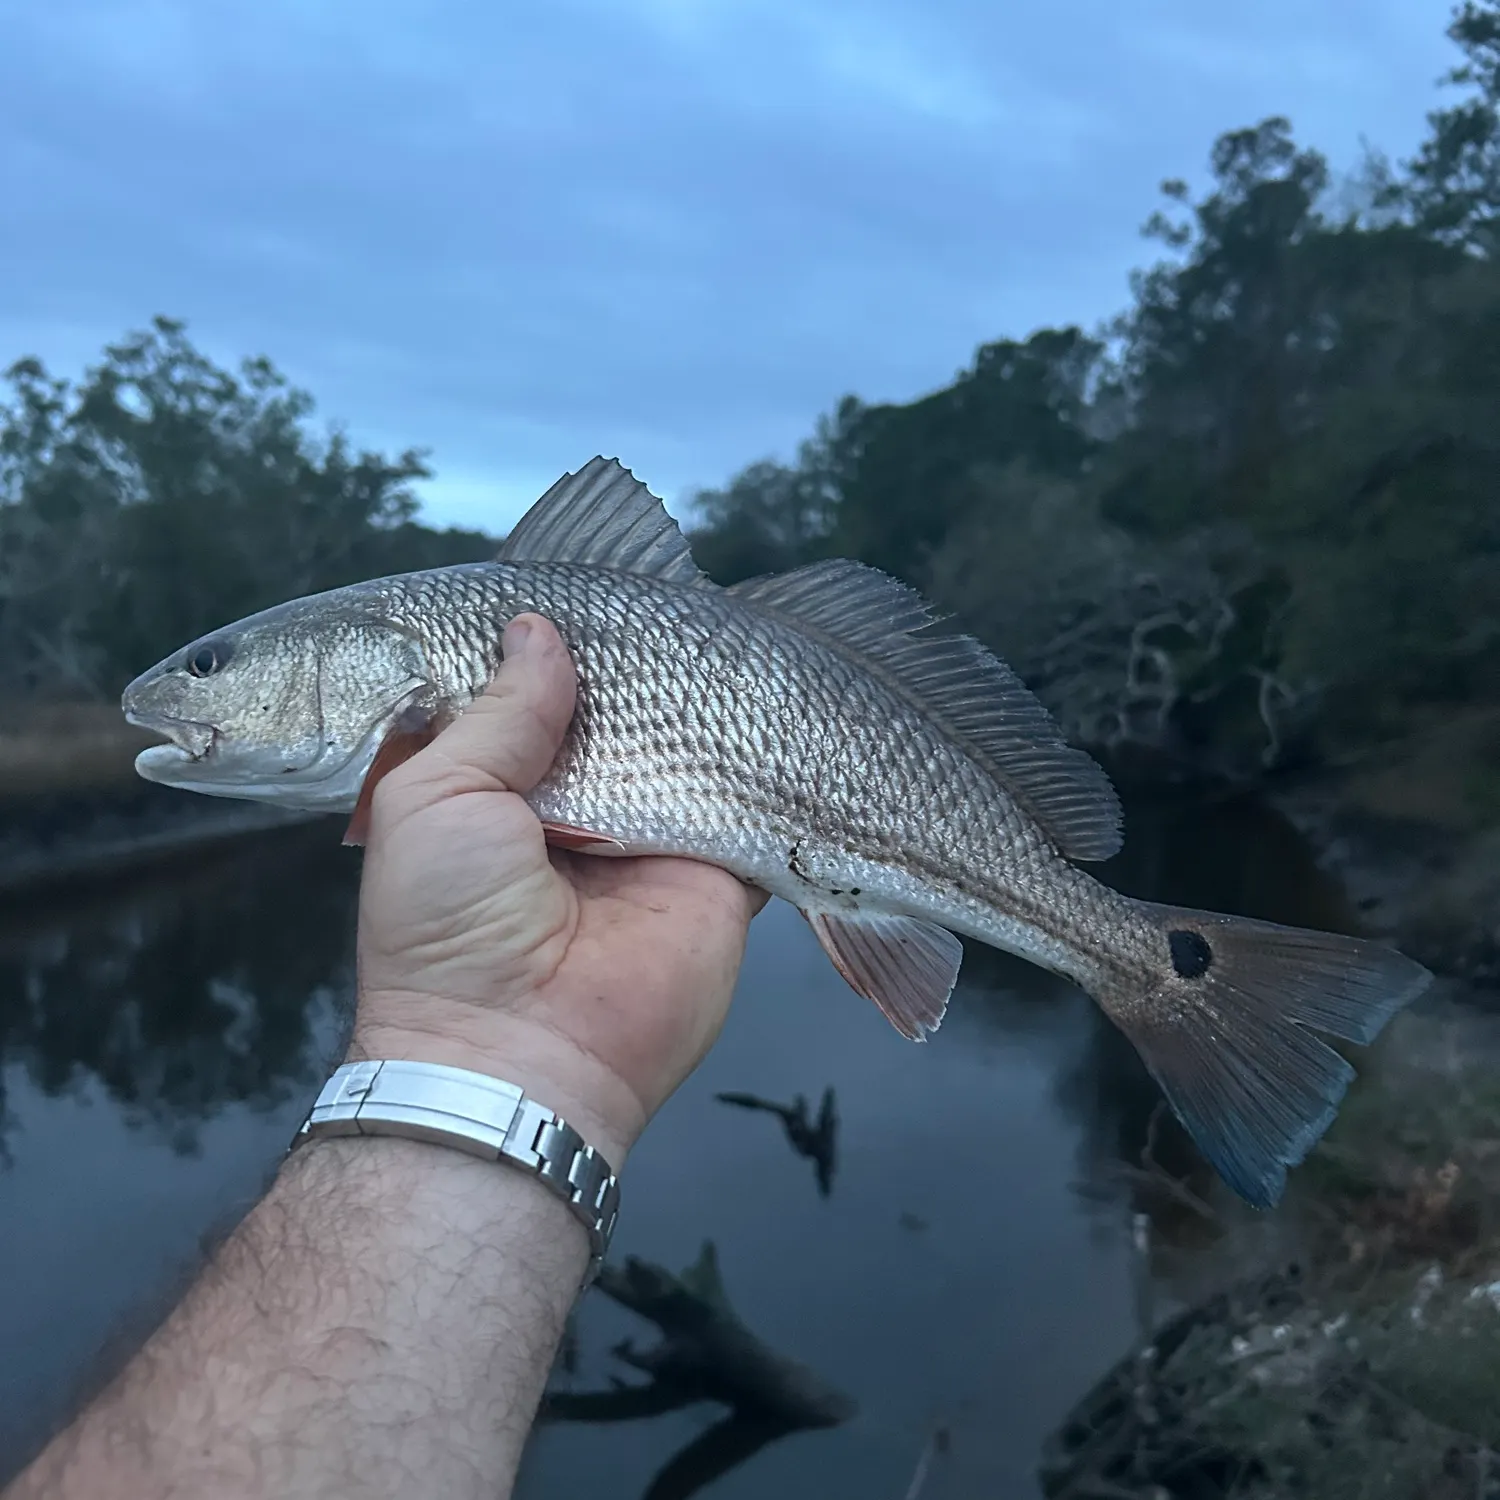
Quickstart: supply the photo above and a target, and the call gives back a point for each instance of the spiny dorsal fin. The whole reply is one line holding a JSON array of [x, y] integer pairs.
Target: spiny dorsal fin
[[967, 692], [603, 515]]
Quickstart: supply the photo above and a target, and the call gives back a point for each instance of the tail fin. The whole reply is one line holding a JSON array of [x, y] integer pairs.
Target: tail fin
[[1226, 1029]]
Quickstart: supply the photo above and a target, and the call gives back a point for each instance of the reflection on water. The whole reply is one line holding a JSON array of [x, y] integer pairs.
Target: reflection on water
[[711, 1455], [159, 1043], [158, 1046], [815, 1138], [187, 992]]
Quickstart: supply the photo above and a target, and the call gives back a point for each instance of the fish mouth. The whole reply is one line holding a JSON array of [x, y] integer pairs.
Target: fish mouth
[[198, 758], [314, 776], [188, 740]]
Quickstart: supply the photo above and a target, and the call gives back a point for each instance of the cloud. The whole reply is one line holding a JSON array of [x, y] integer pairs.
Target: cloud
[[674, 231]]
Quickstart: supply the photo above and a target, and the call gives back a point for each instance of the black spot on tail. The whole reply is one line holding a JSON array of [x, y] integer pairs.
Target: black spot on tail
[[1191, 955]]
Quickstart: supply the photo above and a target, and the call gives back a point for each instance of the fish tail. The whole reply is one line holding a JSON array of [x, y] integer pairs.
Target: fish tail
[[1226, 1025]]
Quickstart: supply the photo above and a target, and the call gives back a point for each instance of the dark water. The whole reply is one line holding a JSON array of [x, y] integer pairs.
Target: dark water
[[160, 1040]]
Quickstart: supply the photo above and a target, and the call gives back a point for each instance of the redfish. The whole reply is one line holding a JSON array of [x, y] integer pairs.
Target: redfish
[[812, 733]]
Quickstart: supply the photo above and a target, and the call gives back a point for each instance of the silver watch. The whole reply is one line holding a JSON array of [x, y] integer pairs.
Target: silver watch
[[477, 1114]]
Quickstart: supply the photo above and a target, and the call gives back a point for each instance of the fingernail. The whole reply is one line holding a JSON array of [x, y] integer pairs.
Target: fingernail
[[513, 642]]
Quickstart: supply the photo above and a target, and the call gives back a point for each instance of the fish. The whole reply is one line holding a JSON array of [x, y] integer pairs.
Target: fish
[[820, 734]]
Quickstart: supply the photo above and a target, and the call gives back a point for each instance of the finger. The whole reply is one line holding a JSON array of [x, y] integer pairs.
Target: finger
[[509, 736]]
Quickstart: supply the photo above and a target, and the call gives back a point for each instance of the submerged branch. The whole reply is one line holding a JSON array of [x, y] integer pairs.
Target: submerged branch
[[705, 1353], [815, 1140]]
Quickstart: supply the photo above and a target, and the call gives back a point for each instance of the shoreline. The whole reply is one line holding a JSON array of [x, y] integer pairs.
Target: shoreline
[[50, 843], [41, 871], [1428, 887], [73, 810]]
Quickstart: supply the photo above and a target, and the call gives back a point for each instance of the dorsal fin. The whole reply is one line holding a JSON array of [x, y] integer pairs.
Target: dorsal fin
[[967, 692], [603, 515]]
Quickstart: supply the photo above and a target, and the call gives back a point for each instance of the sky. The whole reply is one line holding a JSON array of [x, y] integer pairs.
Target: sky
[[672, 231]]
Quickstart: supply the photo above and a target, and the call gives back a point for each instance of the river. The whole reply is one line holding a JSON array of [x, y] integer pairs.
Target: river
[[972, 1267]]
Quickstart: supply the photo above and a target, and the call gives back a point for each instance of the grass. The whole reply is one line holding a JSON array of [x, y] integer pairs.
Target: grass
[[1395, 1395], [1410, 1170]]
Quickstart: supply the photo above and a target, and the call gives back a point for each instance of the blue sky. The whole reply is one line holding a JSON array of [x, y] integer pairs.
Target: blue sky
[[671, 230]]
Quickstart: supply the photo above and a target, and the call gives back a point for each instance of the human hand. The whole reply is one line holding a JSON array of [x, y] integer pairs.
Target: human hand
[[595, 983]]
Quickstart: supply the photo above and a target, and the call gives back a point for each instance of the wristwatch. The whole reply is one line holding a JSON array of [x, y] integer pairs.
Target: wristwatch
[[480, 1115]]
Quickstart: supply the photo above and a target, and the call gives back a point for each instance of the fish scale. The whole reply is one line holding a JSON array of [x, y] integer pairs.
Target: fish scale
[[815, 735], [672, 734]]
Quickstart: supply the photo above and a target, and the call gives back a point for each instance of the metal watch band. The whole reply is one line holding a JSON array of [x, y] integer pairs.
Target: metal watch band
[[477, 1114]]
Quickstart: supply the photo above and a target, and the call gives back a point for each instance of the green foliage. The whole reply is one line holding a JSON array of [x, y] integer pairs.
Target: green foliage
[[1305, 1447], [907, 473], [1223, 344], [1256, 517], [771, 517], [1405, 1376], [1454, 186], [1444, 1365], [164, 496]]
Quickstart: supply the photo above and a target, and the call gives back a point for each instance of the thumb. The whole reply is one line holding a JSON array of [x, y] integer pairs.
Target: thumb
[[507, 739]]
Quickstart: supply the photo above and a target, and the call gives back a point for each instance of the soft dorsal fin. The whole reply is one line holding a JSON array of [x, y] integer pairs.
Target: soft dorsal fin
[[603, 515], [967, 692]]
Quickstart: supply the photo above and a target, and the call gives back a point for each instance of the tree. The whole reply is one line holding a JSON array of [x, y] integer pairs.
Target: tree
[[773, 516], [908, 483], [163, 496], [1128, 640], [1453, 186], [886, 483], [1222, 350]]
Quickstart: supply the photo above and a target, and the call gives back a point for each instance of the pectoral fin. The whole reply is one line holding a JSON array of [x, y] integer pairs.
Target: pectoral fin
[[906, 966], [567, 836], [413, 730]]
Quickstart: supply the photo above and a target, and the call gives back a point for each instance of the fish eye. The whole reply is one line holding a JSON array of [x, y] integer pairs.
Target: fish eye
[[209, 658]]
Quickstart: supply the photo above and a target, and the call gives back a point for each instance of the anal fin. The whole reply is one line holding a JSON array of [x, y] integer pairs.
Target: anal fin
[[413, 730], [906, 966]]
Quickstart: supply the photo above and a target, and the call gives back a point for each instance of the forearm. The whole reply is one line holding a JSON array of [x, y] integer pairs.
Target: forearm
[[382, 1323]]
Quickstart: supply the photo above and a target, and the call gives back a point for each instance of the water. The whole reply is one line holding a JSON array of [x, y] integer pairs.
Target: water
[[161, 1040]]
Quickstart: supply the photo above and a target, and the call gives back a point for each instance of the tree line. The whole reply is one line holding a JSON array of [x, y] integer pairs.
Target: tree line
[[1253, 518], [162, 495]]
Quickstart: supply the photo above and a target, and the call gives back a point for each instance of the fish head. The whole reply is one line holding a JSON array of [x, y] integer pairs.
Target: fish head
[[289, 706]]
